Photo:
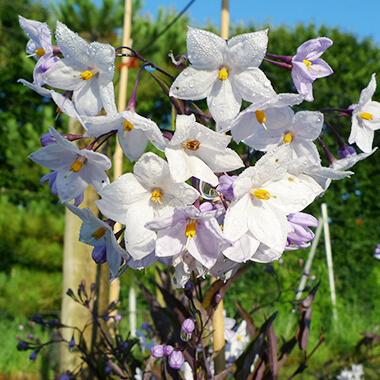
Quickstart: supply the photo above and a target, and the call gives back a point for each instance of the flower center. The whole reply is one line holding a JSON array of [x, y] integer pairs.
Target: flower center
[[307, 63], [99, 233], [192, 144], [78, 163], [260, 194], [40, 52], [366, 116], [156, 196], [223, 74], [191, 228], [288, 137]]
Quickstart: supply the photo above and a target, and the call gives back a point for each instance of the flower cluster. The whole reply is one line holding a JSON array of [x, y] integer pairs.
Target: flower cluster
[[203, 208]]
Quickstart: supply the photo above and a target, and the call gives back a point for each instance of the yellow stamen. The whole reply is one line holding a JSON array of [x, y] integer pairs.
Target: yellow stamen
[[86, 75], [78, 163], [223, 75], [40, 52], [260, 116], [261, 194], [58, 110], [307, 63], [156, 196], [288, 138], [128, 126], [193, 144], [239, 337], [191, 228], [366, 116], [99, 233]]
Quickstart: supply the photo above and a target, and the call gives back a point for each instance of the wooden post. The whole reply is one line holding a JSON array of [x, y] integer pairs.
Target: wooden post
[[329, 258], [218, 317], [114, 292]]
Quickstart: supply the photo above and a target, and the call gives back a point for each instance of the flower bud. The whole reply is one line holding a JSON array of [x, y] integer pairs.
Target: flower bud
[[189, 289], [33, 356], [157, 351], [188, 326], [168, 350], [48, 139], [72, 342], [99, 254], [176, 359]]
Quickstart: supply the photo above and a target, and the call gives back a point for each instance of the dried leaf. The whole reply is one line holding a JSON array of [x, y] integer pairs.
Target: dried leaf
[[248, 318], [256, 347], [222, 375], [273, 361]]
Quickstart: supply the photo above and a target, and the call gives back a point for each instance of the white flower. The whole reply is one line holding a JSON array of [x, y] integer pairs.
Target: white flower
[[265, 194], [75, 168], [284, 127], [365, 118], [197, 151], [224, 72], [98, 233], [134, 131], [135, 199], [87, 69]]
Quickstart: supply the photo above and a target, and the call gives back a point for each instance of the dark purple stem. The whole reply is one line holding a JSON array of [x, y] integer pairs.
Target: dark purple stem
[[284, 58], [101, 143], [140, 57], [132, 101], [281, 64], [330, 157]]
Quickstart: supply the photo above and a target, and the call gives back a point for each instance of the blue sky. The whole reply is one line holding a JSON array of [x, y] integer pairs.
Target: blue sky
[[362, 20]]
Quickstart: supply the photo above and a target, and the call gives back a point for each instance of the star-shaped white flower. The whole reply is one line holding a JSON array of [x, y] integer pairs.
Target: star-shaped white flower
[[265, 194], [87, 69], [135, 199], [284, 127], [365, 118], [198, 151], [75, 167], [224, 72], [134, 131]]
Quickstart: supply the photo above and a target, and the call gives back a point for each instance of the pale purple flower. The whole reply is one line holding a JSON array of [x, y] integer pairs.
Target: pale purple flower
[[187, 231], [98, 233], [39, 46], [300, 234], [75, 168], [176, 359], [307, 66], [376, 254], [188, 326]]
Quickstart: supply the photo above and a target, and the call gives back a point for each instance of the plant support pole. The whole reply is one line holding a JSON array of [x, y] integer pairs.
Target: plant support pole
[[329, 258]]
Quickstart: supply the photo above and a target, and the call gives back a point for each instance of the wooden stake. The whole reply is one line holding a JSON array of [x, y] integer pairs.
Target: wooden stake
[[218, 317], [114, 291]]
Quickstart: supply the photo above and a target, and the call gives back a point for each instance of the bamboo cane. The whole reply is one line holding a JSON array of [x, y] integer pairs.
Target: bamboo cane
[[218, 317], [114, 291]]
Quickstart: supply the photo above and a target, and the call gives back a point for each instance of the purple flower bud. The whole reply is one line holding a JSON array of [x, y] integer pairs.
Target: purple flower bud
[[22, 345], [157, 351], [33, 355], [176, 359], [65, 376], [189, 289], [225, 186], [21, 327], [347, 151], [188, 326], [168, 350], [47, 139], [99, 254], [72, 342], [118, 317], [306, 272]]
